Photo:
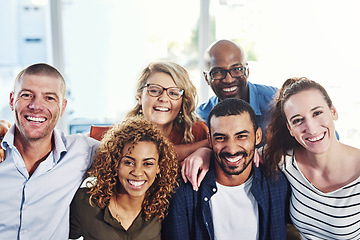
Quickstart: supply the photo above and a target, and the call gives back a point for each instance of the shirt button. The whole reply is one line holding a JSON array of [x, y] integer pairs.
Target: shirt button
[[214, 189], [206, 199]]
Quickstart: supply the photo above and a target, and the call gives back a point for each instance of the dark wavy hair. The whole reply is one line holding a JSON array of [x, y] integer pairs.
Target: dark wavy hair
[[107, 161], [278, 139]]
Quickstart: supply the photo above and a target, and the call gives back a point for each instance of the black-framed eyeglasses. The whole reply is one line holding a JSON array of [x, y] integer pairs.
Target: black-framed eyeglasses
[[155, 90], [220, 74]]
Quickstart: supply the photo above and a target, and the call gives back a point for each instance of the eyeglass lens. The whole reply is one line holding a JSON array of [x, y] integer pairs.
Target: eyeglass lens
[[173, 92], [221, 73]]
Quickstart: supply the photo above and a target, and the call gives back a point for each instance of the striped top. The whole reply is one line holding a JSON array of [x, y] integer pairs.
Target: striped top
[[319, 215]]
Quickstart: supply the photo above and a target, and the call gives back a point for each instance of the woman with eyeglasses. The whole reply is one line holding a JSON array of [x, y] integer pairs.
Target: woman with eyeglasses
[[166, 96], [324, 174]]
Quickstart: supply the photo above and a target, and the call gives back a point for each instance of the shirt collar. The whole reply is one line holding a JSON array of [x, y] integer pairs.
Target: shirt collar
[[58, 150], [8, 140]]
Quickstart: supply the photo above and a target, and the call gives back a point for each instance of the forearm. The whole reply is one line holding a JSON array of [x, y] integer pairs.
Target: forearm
[[184, 150]]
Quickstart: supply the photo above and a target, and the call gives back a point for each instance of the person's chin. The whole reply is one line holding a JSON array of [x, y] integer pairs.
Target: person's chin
[[225, 95]]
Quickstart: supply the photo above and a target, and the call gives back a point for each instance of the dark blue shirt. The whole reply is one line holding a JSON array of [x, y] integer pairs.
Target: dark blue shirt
[[190, 215]]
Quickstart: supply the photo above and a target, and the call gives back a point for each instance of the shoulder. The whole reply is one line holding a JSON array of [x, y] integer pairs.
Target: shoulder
[[184, 190], [204, 109], [79, 139], [82, 194], [263, 89], [76, 145], [200, 130], [207, 106], [277, 181]]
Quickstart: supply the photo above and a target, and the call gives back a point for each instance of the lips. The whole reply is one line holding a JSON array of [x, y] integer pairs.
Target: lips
[[162, 109], [230, 89], [136, 183], [316, 138], [35, 119], [234, 158]]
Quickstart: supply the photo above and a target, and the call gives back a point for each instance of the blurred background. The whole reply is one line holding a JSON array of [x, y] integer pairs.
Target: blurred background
[[101, 46]]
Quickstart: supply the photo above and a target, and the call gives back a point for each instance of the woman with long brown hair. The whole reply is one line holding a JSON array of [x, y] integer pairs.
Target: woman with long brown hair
[[324, 173]]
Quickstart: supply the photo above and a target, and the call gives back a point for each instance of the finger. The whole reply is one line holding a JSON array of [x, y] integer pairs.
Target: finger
[[183, 175], [201, 177], [256, 158], [2, 155], [191, 175]]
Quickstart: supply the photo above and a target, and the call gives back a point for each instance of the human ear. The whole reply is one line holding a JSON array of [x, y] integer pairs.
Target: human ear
[[206, 77], [64, 104], [209, 139], [158, 169], [258, 136], [334, 113], [289, 128], [139, 100], [11, 101]]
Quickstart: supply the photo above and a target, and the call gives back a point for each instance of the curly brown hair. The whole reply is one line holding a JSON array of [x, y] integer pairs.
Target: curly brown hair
[[278, 139], [107, 161]]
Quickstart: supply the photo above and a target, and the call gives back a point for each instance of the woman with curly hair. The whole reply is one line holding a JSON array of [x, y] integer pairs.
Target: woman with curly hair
[[324, 174], [136, 171]]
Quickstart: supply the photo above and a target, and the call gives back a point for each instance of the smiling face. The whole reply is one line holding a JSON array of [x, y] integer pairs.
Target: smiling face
[[233, 141], [310, 120], [138, 168], [38, 103], [161, 110], [226, 55]]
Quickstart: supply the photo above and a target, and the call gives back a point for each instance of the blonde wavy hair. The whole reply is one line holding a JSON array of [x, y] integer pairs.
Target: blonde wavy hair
[[107, 161], [182, 80]]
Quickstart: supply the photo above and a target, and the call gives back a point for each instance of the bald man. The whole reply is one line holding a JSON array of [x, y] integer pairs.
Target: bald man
[[227, 74]]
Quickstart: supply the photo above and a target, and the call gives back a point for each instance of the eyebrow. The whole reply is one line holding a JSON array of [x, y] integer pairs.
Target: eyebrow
[[145, 159], [46, 93], [216, 134], [232, 66]]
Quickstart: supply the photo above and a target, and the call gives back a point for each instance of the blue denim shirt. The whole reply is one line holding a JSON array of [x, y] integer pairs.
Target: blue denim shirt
[[190, 215], [261, 100], [37, 207]]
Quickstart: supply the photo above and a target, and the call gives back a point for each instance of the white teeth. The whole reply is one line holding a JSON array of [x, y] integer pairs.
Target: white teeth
[[162, 109], [136, 183], [234, 159], [229, 89], [36, 119], [314, 139]]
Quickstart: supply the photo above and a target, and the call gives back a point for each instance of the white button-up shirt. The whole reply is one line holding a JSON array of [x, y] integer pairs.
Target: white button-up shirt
[[37, 207]]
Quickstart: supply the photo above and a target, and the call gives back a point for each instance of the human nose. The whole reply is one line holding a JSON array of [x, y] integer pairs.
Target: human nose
[[232, 147], [310, 126], [35, 103], [164, 96], [228, 78], [138, 170]]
